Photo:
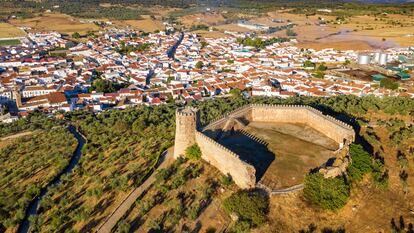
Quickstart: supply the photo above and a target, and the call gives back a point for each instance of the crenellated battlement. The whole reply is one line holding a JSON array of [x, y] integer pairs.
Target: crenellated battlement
[[243, 173], [221, 147], [186, 111], [249, 107], [254, 137]]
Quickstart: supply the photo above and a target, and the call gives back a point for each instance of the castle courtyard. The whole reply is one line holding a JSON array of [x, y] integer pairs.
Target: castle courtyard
[[297, 149], [271, 146]]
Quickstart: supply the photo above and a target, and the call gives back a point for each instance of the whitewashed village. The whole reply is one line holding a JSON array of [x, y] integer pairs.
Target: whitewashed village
[[122, 68]]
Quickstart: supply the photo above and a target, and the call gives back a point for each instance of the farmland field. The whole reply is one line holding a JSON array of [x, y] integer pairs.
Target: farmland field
[[55, 22], [9, 42], [146, 24], [10, 31]]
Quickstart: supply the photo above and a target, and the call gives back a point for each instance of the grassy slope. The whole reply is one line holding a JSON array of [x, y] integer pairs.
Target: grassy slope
[[370, 208], [29, 163], [116, 158]]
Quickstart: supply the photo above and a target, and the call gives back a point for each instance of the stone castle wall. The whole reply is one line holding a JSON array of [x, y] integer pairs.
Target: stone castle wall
[[187, 134], [226, 161], [334, 129], [331, 127]]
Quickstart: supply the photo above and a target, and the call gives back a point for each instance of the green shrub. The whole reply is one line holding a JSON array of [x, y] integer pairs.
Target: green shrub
[[227, 180], [199, 65], [308, 64], [361, 162], [123, 227], [250, 206], [380, 177], [76, 35], [193, 152], [389, 84], [331, 194]]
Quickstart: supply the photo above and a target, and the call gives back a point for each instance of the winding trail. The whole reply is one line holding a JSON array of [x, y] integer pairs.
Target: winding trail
[[24, 227], [16, 135], [110, 222]]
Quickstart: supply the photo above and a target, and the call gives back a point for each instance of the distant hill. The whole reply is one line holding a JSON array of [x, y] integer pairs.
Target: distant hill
[[387, 1]]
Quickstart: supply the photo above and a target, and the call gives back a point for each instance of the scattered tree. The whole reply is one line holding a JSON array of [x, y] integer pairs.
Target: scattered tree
[[199, 65], [193, 152], [330, 194], [76, 35], [251, 207]]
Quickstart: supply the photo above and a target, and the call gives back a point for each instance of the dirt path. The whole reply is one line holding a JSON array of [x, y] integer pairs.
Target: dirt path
[[16, 135], [166, 160]]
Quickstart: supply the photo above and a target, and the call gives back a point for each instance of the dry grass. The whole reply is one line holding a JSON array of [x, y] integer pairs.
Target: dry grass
[[209, 19], [286, 142], [9, 31], [211, 34], [146, 24], [56, 22], [369, 209], [232, 27], [339, 45], [365, 32], [211, 217]]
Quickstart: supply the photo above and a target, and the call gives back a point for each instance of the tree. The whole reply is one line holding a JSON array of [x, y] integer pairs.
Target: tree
[[322, 67], [250, 206], [203, 44], [76, 35], [193, 152], [235, 92], [227, 180], [319, 74], [361, 162], [308, 64], [90, 34], [389, 84], [346, 62], [199, 65], [101, 85], [330, 194]]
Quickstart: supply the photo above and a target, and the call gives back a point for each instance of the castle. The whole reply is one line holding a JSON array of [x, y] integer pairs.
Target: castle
[[189, 132]]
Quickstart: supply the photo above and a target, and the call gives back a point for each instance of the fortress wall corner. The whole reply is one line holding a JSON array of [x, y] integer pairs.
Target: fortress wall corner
[[331, 127], [226, 161]]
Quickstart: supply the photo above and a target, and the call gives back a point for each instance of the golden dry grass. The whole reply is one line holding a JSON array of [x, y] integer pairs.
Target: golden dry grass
[[209, 19], [365, 32], [212, 34], [369, 209], [56, 22], [339, 45], [146, 24], [9, 31], [232, 27]]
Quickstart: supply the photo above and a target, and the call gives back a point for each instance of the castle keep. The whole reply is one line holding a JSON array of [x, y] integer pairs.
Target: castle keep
[[208, 138]]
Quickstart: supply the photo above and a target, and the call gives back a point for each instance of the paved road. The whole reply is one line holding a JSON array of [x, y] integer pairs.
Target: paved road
[[165, 161]]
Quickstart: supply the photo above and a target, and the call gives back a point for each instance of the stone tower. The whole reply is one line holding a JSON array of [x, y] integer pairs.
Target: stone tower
[[186, 124]]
